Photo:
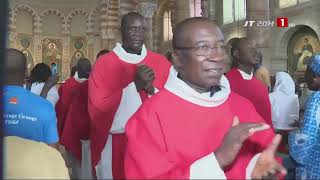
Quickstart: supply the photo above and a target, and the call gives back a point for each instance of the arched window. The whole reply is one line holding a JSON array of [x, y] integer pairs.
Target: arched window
[[302, 1], [233, 10], [167, 28], [78, 25], [239, 10], [289, 3], [195, 8], [52, 25], [24, 23]]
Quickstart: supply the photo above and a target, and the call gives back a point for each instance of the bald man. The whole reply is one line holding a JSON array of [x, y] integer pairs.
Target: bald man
[[26, 115], [76, 126], [120, 81], [242, 81], [66, 94], [68, 89], [190, 129]]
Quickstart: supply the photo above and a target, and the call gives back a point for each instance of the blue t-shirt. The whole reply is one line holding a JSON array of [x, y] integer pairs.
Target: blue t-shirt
[[29, 116]]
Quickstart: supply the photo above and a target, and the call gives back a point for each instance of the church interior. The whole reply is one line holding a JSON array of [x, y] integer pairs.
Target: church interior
[[66, 30], [60, 32]]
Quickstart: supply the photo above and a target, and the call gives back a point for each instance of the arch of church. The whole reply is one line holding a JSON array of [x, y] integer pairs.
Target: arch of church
[[27, 8], [102, 22], [73, 13]]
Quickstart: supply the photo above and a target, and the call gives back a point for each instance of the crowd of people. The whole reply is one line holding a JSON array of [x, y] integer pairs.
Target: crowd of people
[[136, 114]]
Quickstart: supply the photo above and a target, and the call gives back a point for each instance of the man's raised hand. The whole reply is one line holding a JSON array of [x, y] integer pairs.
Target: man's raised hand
[[144, 78], [234, 139]]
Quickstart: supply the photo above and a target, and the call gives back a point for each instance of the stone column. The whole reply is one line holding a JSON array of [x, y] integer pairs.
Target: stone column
[[97, 46], [148, 10], [90, 47], [181, 11], [209, 9], [94, 46], [113, 23], [204, 8], [12, 35], [104, 38], [103, 24], [258, 10], [37, 55], [66, 59], [37, 31]]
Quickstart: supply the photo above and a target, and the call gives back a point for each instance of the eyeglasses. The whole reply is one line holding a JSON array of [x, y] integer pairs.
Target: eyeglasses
[[204, 50], [136, 29]]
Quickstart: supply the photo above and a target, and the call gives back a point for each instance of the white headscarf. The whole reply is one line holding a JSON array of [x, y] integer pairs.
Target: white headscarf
[[284, 102]]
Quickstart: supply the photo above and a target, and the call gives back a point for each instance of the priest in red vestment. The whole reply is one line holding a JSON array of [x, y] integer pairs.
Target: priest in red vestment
[[120, 81], [242, 80], [67, 90], [187, 130], [76, 132]]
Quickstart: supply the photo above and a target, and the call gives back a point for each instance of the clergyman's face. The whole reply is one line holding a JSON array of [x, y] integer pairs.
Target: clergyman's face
[[203, 65], [248, 54], [133, 34]]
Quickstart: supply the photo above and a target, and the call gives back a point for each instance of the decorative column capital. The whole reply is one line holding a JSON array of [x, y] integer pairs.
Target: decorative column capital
[[148, 9]]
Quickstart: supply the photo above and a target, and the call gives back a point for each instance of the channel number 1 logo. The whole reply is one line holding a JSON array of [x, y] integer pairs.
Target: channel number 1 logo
[[280, 22]]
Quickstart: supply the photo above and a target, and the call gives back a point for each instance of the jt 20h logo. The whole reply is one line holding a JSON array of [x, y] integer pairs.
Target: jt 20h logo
[[280, 22]]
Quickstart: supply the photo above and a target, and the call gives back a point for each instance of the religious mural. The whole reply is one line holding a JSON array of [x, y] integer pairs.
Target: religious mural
[[25, 44], [303, 49], [52, 54], [78, 49]]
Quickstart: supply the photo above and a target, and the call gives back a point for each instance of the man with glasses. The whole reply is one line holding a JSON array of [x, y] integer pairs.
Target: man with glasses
[[242, 80], [120, 81], [191, 128]]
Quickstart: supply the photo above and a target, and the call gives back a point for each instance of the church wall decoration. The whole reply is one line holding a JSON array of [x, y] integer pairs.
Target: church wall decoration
[[303, 47], [25, 44], [52, 52], [78, 49]]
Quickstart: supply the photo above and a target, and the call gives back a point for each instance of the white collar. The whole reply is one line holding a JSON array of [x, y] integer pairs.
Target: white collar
[[128, 57], [79, 80], [184, 91], [245, 75]]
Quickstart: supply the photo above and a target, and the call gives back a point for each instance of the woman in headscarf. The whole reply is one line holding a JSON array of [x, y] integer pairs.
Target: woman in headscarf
[[285, 113], [284, 102], [305, 143]]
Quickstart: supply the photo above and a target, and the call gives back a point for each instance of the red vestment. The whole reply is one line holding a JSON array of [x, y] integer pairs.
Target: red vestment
[[77, 124], [254, 90], [174, 134], [76, 132], [113, 98], [66, 91]]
